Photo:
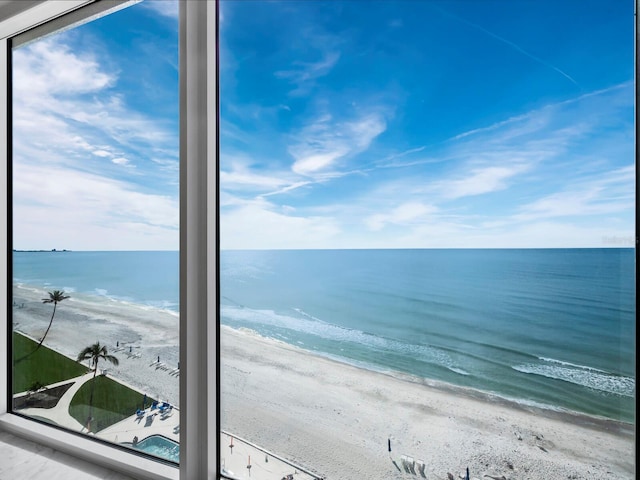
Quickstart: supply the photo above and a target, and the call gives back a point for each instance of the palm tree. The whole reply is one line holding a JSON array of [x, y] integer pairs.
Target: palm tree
[[54, 297], [94, 353]]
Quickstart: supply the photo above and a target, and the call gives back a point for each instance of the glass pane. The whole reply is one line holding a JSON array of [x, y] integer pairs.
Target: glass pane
[[96, 229], [427, 239]]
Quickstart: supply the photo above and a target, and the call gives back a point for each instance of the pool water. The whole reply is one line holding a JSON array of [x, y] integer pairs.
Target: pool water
[[160, 446]]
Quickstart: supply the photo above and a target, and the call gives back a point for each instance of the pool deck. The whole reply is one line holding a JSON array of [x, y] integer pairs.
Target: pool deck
[[152, 422]]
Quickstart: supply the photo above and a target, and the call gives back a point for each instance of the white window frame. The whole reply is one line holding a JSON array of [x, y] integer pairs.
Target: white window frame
[[198, 249]]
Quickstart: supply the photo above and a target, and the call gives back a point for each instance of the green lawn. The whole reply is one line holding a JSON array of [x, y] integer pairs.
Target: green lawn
[[44, 366], [112, 402]]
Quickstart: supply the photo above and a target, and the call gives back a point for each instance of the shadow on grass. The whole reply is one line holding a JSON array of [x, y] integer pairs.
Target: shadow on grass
[[112, 403]]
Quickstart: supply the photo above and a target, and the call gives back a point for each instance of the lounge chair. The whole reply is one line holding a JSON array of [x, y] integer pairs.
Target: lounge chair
[[167, 412], [405, 463], [139, 413], [411, 464]]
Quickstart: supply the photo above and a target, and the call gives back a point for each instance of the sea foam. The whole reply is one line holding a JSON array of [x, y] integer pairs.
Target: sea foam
[[581, 375]]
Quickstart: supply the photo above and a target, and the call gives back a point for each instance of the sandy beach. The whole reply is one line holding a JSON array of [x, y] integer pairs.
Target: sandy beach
[[135, 334], [336, 419]]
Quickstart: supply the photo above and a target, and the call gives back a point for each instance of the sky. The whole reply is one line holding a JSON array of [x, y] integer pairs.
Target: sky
[[403, 124]]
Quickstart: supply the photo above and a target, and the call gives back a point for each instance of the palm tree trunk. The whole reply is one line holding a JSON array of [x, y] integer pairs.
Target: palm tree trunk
[[93, 386], [48, 328]]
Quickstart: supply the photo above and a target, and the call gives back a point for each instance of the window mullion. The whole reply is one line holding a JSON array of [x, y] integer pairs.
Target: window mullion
[[198, 307]]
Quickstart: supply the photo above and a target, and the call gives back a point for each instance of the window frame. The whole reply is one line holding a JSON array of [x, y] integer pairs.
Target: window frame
[[199, 240], [199, 398]]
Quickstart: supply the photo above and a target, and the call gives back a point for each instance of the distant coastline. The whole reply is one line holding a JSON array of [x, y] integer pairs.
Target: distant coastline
[[43, 251]]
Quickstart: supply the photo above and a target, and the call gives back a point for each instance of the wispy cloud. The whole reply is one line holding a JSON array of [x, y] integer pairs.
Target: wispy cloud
[[608, 193], [81, 149], [402, 158], [319, 55], [498, 186], [65, 99], [407, 214], [536, 120], [321, 144], [238, 175], [507, 181], [303, 72], [480, 181]]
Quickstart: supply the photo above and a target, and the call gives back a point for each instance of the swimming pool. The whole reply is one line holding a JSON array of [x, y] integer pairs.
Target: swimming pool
[[160, 446]]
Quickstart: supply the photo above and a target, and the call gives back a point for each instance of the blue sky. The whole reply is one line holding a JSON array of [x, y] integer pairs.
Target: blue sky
[[95, 126], [405, 124]]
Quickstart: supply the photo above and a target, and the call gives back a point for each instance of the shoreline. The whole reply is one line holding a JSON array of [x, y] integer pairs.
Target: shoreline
[[599, 421], [336, 418]]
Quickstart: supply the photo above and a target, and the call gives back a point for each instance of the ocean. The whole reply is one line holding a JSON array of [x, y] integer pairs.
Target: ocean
[[147, 278], [552, 328]]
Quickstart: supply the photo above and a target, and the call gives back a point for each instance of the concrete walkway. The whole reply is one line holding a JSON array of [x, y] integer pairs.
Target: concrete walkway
[[241, 460], [151, 423], [60, 413]]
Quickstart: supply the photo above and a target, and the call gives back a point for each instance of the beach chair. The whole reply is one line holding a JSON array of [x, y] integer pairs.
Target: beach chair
[[411, 464], [154, 405], [405, 463], [139, 413], [421, 466]]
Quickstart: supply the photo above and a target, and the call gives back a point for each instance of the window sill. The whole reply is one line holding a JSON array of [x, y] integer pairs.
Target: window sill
[[85, 450]]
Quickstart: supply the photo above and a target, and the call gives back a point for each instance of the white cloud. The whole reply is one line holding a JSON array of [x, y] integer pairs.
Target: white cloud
[[324, 142], [72, 206], [120, 161], [239, 175], [101, 153], [480, 181], [53, 69], [406, 214]]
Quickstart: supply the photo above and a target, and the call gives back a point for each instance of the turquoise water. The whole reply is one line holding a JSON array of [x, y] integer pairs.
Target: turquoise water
[[552, 327], [160, 446], [149, 278]]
